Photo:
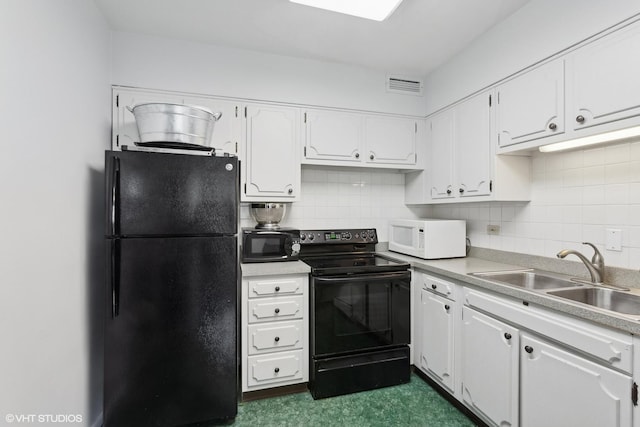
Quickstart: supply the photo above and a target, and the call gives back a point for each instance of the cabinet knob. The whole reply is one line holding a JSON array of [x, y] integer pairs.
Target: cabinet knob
[[434, 286], [553, 126], [507, 336], [461, 190], [277, 310], [277, 288], [357, 155], [290, 191], [371, 156], [580, 119], [276, 370], [528, 349], [447, 307], [448, 191], [276, 339]]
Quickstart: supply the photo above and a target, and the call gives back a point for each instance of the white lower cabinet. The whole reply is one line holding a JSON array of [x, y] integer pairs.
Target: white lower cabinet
[[515, 364], [560, 388], [436, 347], [489, 361], [274, 319]]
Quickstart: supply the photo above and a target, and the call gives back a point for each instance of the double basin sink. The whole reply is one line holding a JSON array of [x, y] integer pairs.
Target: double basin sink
[[612, 300]]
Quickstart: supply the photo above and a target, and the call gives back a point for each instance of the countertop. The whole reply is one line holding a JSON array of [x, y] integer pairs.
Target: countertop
[[274, 268], [459, 269]]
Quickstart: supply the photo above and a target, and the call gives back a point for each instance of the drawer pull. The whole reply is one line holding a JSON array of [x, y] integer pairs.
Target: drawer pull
[[276, 370], [276, 339], [434, 287], [528, 349], [277, 288], [277, 310], [507, 336], [446, 307]]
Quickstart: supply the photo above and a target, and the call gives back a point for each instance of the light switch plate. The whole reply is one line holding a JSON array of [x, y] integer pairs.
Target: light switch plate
[[614, 239]]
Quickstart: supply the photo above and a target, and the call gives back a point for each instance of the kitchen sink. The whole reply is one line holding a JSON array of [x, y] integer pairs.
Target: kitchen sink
[[608, 299], [528, 279]]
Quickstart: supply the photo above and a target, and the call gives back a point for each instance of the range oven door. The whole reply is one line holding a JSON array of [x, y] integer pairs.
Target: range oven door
[[360, 312]]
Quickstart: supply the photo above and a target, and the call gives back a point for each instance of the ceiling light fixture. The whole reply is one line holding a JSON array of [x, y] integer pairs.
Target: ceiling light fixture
[[592, 140], [377, 10]]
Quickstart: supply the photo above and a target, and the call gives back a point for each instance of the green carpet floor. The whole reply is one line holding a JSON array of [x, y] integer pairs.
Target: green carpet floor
[[412, 404]]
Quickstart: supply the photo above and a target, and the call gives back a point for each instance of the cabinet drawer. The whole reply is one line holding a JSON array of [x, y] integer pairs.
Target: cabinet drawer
[[275, 286], [275, 367], [438, 286], [275, 336], [611, 347], [282, 308]]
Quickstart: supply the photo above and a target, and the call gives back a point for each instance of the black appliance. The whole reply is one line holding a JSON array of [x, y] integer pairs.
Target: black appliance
[[262, 245], [172, 264], [360, 313]]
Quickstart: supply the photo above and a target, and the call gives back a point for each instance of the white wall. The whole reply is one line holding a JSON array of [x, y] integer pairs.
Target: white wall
[[347, 198], [55, 114], [538, 30], [576, 196], [170, 64]]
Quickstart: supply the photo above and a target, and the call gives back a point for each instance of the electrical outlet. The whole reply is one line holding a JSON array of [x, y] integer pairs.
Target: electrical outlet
[[614, 239], [493, 230]]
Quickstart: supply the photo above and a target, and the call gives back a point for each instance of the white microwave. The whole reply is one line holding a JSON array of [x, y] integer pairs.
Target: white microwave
[[428, 238]]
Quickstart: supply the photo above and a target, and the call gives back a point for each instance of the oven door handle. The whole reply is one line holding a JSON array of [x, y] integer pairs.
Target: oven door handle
[[364, 277]]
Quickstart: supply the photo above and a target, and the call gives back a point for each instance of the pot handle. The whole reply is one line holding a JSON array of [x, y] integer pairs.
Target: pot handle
[[216, 116]]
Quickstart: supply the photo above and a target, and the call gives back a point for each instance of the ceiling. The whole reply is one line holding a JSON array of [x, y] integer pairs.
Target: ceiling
[[418, 37]]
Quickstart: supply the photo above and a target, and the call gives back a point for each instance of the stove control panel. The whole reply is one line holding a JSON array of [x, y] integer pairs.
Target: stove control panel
[[367, 235]]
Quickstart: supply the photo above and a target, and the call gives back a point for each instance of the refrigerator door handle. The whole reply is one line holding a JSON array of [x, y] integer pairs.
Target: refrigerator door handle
[[115, 196], [115, 278]]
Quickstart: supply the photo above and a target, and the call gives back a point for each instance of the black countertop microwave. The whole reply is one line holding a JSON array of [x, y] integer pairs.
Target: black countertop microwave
[[262, 245]]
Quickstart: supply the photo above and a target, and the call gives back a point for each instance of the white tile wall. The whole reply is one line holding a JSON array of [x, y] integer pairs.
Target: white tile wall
[[346, 198], [576, 197]]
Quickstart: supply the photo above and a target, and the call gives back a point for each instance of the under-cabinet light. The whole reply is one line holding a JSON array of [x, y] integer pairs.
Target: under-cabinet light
[[591, 140], [377, 10]]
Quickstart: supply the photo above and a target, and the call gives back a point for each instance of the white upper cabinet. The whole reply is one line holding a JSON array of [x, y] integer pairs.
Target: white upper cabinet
[[472, 151], [331, 135], [341, 138], [531, 106], [390, 140], [441, 137], [461, 161], [603, 83], [271, 170], [226, 132]]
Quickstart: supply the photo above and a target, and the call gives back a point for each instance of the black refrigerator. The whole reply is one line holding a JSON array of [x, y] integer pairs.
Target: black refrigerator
[[172, 289]]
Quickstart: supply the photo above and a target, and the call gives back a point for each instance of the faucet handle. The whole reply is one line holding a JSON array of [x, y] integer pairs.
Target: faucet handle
[[597, 258]]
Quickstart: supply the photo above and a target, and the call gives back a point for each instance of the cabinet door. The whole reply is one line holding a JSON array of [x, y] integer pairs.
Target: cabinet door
[[440, 170], [436, 353], [490, 367], [531, 106], [562, 389], [332, 135], [390, 140], [602, 77], [473, 146], [272, 166], [226, 131]]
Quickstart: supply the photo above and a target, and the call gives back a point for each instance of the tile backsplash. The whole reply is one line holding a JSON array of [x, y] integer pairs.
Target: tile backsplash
[[576, 196], [346, 198]]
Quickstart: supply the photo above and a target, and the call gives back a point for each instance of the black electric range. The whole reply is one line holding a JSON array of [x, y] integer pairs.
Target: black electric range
[[359, 313]]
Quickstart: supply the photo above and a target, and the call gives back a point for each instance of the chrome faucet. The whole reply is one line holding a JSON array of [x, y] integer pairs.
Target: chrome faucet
[[595, 266]]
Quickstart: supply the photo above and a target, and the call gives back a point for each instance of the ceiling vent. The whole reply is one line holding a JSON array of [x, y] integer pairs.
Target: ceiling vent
[[405, 85]]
